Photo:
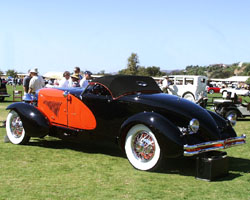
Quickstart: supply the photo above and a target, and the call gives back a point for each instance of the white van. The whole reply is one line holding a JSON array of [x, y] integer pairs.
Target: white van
[[187, 86]]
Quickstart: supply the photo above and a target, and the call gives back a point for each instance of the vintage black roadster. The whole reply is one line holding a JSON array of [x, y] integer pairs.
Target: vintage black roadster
[[130, 111]]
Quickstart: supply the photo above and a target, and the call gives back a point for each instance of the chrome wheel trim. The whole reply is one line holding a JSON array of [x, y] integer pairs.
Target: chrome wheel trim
[[14, 128], [142, 148]]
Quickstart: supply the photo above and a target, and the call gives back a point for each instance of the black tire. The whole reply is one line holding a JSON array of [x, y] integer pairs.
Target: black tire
[[142, 149], [15, 129], [223, 92], [231, 112], [211, 91]]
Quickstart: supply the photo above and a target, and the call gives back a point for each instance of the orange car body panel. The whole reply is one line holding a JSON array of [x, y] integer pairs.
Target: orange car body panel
[[67, 111]]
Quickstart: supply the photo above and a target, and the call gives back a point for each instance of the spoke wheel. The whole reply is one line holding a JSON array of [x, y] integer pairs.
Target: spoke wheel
[[142, 148], [15, 129]]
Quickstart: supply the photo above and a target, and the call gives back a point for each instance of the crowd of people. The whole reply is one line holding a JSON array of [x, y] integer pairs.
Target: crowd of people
[[33, 82]]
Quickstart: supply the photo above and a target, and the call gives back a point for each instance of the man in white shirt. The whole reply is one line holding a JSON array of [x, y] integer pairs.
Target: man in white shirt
[[36, 82], [165, 84], [65, 82], [85, 81]]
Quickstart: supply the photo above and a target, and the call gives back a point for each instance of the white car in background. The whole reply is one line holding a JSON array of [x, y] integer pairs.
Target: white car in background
[[189, 87], [237, 91]]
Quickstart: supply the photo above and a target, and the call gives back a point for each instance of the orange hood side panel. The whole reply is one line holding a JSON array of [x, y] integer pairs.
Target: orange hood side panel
[[54, 105], [79, 115]]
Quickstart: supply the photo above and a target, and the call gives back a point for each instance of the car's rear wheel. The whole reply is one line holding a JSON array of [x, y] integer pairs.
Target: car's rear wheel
[[15, 129], [142, 148]]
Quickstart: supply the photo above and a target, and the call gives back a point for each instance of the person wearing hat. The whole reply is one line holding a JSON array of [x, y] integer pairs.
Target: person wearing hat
[[77, 72], [85, 81], [75, 80], [36, 82]]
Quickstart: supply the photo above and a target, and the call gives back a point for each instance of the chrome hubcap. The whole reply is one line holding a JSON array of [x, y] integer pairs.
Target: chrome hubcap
[[143, 146], [16, 126]]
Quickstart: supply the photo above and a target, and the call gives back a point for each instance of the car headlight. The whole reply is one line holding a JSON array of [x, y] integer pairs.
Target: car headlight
[[194, 125], [232, 119]]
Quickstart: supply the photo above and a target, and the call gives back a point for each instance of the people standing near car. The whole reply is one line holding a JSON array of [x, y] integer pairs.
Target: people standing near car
[[26, 82], [65, 82], [36, 82], [77, 72], [165, 84], [85, 81], [75, 80]]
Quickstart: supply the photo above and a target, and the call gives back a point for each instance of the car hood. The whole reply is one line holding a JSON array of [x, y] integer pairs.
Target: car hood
[[180, 111]]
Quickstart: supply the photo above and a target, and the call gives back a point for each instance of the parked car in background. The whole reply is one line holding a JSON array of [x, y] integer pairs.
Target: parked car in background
[[128, 111], [213, 89], [233, 104], [3, 90], [188, 87], [237, 91]]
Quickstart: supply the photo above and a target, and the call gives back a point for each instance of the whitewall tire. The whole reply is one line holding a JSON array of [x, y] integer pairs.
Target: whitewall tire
[[189, 97], [142, 148], [15, 129]]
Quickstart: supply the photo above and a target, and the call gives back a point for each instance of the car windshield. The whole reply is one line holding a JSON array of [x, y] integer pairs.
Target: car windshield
[[97, 89]]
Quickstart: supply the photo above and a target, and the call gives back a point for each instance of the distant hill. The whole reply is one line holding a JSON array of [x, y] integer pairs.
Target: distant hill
[[215, 70]]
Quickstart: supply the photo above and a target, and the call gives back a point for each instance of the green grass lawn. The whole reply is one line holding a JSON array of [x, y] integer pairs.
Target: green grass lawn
[[53, 169]]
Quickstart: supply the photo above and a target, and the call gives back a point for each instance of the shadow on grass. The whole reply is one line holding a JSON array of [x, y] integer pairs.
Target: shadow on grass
[[244, 119], [185, 166], [90, 147]]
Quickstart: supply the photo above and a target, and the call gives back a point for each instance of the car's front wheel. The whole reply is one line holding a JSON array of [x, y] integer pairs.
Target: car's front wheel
[[142, 148], [15, 129]]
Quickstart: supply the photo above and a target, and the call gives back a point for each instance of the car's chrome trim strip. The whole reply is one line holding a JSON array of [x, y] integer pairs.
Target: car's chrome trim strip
[[190, 150]]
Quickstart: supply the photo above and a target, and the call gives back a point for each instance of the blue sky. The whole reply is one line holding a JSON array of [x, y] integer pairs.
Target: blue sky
[[57, 35]]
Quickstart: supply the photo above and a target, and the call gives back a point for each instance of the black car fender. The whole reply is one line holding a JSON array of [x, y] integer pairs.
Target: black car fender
[[168, 134], [35, 123]]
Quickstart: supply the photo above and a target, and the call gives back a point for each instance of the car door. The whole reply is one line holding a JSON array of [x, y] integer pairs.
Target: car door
[[53, 104], [79, 115]]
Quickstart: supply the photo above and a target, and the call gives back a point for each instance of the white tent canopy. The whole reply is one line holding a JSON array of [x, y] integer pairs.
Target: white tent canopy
[[54, 75]]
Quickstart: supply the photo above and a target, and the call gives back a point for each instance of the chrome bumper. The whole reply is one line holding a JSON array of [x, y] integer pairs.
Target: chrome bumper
[[191, 150]]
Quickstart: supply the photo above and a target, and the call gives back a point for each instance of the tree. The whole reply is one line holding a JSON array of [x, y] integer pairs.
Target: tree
[[102, 72], [248, 81], [1, 72], [247, 70], [153, 71], [132, 66], [12, 73]]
